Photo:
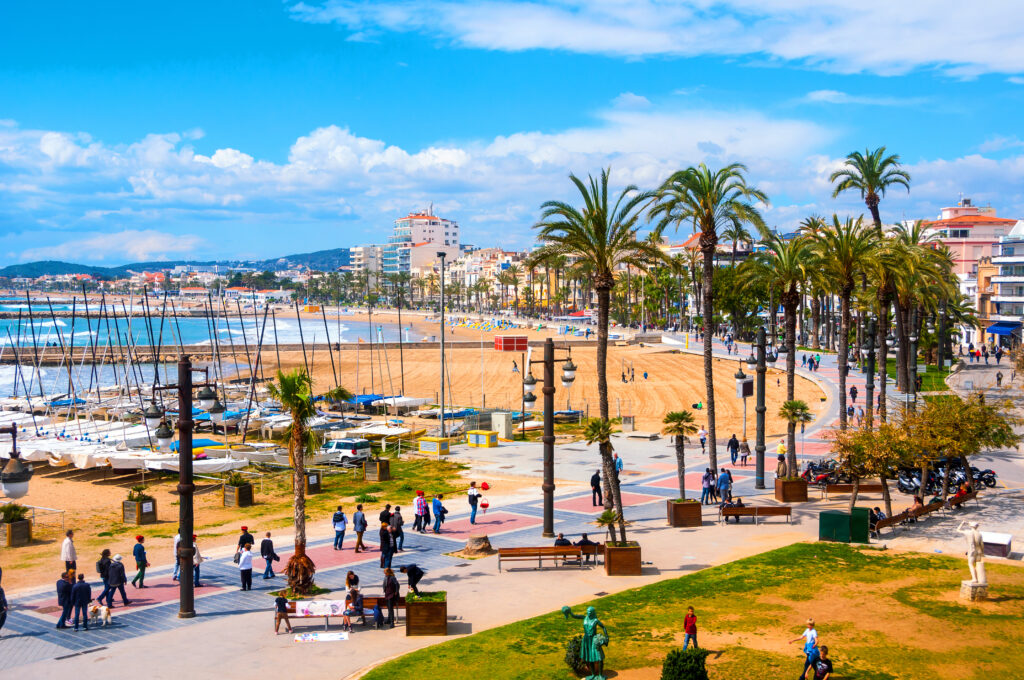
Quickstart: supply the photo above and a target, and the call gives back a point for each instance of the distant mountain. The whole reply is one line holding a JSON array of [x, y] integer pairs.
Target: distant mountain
[[323, 260]]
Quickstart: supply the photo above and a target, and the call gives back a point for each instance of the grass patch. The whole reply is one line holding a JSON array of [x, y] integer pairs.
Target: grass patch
[[934, 380], [883, 616], [435, 596], [287, 593]]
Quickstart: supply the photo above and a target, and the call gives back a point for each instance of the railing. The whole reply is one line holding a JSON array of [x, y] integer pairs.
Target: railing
[[41, 516]]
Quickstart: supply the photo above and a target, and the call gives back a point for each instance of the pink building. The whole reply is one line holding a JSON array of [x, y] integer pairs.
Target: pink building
[[970, 232]]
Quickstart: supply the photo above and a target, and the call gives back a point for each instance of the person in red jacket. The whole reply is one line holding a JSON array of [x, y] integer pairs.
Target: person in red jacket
[[690, 628]]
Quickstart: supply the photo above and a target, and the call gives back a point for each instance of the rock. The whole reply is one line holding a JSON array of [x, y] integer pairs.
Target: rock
[[478, 545]]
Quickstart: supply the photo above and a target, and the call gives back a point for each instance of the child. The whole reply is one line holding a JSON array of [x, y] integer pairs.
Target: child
[[690, 628], [281, 614]]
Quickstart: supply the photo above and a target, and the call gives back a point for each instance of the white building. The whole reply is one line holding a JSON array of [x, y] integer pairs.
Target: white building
[[420, 230]]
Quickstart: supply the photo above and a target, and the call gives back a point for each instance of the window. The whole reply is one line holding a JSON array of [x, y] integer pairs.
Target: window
[[959, 233]]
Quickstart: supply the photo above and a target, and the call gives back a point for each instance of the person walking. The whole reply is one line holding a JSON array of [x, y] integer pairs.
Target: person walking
[[419, 507], [3, 608], [359, 526], [733, 445], [810, 645], [438, 508], [744, 452], [617, 460], [705, 486], [244, 538], [139, 553], [68, 553], [473, 496], [387, 543], [177, 562], [414, 574], [268, 554], [197, 560], [340, 524], [385, 514], [103, 569], [595, 489], [723, 484], [391, 591], [245, 566], [999, 355], [116, 581], [999, 378], [396, 523], [81, 596], [281, 614], [860, 415], [689, 628], [703, 435], [64, 586], [823, 666], [853, 393]]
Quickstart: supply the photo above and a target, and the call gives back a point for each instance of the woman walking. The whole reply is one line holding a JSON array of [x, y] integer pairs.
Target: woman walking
[[103, 569], [390, 594], [245, 566]]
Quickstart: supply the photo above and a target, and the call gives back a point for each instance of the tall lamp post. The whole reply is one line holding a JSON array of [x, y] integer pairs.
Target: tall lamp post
[[15, 476], [186, 487], [568, 375], [759, 409], [441, 255], [744, 388], [868, 352], [912, 362]]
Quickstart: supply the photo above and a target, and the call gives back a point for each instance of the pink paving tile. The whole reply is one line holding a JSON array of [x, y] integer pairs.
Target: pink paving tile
[[693, 481], [326, 557], [585, 503], [156, 591], [491, 524]]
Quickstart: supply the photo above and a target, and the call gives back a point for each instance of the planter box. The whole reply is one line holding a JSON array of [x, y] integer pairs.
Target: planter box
[[794, 491], [622, 560], [138, 512], [684, 514], [238, 496], [426, 618], [313, 480], [15, 534], [376, 471]]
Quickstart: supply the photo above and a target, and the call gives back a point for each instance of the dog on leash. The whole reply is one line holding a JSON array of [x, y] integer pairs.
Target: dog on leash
[[98, 613]]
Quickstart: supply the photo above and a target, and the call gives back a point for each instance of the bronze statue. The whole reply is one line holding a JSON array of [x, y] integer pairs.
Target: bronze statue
[[591, 652]]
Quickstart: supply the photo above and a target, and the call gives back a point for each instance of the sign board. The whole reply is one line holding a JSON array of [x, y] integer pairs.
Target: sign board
[[745, 388], [922, 369], [510, 343], [147, 506]]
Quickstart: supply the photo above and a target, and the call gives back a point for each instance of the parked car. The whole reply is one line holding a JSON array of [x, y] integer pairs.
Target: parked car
[[347, 451]]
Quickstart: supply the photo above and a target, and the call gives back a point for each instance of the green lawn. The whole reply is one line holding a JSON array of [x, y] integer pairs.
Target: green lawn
[[932, 381], [883, 616]]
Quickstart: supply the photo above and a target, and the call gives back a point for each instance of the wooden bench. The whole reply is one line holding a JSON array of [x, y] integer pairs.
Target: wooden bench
[[556, 554], [865, 487], [369, 601], [910, 514], [756, 511], [956, 502], [891, 522]]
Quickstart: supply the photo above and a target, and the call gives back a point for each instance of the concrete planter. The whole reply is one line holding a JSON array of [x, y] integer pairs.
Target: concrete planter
[[138, 512], [238, 496], [426, 618], [15, 534], [622, 560], [683, 513], [376, 470], [790, 491]]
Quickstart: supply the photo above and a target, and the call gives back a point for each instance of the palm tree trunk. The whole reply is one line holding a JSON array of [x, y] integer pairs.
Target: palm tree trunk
[[300, 568], [709, 377], [603, 303], [816, 321], [844, 350], [681, 464], [883, 355]]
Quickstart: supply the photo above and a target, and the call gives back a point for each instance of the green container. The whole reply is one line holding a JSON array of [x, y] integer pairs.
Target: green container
[[834, 525], [859, 525]]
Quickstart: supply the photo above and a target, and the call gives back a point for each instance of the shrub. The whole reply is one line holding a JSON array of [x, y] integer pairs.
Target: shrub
[[572, 655], [685, 664], [235, 479], [424, 596], [12, 512], [366, 498], [137, 494]]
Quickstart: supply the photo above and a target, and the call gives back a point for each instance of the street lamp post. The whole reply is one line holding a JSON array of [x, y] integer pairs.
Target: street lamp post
[[441, 255], [912, 362], [548, 390], [15, 476], [759, 409], [744, 388], [868, 352]]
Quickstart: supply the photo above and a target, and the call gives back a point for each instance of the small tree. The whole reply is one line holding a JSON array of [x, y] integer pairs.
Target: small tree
[[680, 425], [794, 411], [599, 431], [685, 664], [850, 448]]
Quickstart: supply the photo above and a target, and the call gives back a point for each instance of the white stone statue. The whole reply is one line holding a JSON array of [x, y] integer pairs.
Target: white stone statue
[[975, 552]]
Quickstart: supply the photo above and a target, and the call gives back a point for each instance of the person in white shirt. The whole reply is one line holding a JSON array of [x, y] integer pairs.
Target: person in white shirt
[[245, 566], [67, 552], [474, 497], [810, 639], [177, 562]]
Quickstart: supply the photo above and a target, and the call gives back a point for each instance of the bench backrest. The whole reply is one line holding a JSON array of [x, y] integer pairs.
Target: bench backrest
[[774, 510], [541, 550], [745, 511]]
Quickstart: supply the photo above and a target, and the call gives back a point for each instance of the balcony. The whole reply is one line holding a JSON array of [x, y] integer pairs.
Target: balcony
[[1017, 258], [1008, 278], [1006, 299]]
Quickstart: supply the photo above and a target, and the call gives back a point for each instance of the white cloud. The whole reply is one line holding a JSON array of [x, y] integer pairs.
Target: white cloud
[[837, 97], [1016, 80], [129, 244], [1000, 143], [628, 100], [836, 35]]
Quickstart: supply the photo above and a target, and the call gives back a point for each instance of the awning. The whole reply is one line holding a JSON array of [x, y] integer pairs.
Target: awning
[[1003, 327]]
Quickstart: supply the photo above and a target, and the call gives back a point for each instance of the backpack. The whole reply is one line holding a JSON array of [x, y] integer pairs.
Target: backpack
[[378, 617]]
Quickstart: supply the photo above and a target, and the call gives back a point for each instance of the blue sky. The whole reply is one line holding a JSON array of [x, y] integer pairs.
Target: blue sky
[[136, 131]]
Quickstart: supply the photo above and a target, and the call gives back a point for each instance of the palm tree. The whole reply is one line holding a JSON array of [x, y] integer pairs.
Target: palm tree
[[680, 425], [710, 200], [599, 431], [842, 251], [294, 391], [602, 234], [871, 173], [736, 233], [794, 412], [784, 264], [512, 274]]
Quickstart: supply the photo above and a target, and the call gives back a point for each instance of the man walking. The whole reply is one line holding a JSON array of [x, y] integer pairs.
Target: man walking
[[359, 526], [391, 591], [705, 486], [64, 599], [245, 538], [387, 545], [68, 554], [116, 580], [595, 489], [268, 554], [474, 497], [438, 508], [420, 509], [415, 574], [703, 435], [618, 465], [396, 529], [139, 553], [177, 562], [340, 524], [81, 596], [385, 514], [853, 393], [734, 448], [724, 484]]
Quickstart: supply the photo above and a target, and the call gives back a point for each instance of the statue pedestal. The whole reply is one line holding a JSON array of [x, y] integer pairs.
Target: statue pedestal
[[973, 592]]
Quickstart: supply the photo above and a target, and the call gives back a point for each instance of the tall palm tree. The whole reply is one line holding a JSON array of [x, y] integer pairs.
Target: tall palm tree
[[680, 424], [294, 391], [512, 274], [784, 265], [711, 200], [871, 173], [794, 412], [736, 233], [603, 234], [842, 251]]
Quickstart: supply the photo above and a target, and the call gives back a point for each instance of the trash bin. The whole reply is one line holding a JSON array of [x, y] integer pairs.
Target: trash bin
[[859, 525], [834, 525]]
